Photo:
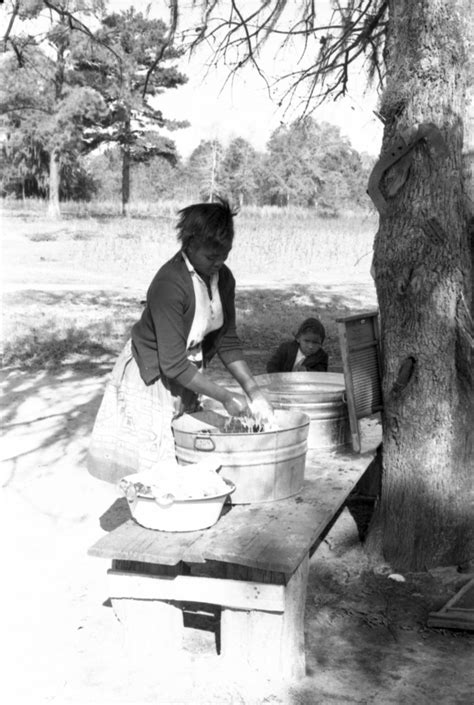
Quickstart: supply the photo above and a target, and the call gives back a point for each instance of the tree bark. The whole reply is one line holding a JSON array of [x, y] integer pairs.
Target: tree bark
[[423, 276], [54, 182]]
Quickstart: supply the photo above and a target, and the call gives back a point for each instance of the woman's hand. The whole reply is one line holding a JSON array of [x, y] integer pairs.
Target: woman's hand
[[260, 406], [236, 405]]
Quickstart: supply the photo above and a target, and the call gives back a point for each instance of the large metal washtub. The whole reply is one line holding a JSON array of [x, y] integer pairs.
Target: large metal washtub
[[264, 466], [320, 395]]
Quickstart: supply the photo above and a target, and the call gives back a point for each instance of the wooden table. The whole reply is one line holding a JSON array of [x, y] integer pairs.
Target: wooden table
[[250, 569]]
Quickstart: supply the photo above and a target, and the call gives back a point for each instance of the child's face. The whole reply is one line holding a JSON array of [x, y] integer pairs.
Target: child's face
[[309, 343]]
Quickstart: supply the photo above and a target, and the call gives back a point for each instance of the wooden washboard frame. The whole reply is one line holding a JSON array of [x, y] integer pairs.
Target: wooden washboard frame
[[360, 350]]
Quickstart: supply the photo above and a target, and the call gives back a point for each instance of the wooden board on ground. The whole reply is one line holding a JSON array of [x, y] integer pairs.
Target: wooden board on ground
[[458, 612]]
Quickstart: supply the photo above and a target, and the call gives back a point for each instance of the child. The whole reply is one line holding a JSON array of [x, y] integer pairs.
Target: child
[[305, 353]]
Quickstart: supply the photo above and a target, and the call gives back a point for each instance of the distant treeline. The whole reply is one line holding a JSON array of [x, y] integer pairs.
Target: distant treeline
[[305, 164]]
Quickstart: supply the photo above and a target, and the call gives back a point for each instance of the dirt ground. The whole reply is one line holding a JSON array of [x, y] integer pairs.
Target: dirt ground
[[366, 634]]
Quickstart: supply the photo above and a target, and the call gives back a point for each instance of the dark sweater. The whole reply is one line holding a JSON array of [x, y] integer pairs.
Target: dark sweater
[[284, 358], [159, 338]]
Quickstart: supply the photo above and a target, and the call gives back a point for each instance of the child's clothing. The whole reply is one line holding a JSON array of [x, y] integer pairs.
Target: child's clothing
[[285, 357]]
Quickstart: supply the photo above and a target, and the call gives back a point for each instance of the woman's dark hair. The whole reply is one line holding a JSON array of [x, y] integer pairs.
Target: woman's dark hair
[[312, 325], [210, 224]]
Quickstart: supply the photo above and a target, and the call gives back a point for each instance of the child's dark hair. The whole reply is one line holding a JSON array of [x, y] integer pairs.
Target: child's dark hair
[[210, 224], [312, 325]]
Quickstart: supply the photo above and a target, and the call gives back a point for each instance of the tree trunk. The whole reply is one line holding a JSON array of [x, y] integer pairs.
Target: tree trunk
[[213, 171], [468, 166], [423, 276], [125, 178], [54, 181]]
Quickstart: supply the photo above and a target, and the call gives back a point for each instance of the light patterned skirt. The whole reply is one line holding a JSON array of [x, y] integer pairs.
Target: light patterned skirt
[[132, 431]]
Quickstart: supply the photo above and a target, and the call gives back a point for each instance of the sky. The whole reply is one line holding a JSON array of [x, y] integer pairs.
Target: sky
[[222, 109], [242, 107]]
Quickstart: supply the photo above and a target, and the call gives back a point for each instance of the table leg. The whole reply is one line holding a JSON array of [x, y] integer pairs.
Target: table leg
[[268, 643], [152, 626]]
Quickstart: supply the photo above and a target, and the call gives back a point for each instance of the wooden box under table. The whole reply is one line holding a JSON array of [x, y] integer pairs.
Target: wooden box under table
[[251, 569]]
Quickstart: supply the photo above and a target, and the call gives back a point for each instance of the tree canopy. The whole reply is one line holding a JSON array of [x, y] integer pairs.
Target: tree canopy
[[85, 81], [45, 109], [312, 164]]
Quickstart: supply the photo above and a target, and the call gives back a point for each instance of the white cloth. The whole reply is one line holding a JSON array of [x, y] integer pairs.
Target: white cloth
[[208, 315], [299, 358]]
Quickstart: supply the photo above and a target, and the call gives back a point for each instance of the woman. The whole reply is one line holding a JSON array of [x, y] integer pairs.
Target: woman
[[189, 317]]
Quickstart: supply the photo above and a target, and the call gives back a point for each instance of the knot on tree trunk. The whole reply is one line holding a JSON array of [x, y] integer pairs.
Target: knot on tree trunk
[[405, 373], [401, 149], [416, 280]]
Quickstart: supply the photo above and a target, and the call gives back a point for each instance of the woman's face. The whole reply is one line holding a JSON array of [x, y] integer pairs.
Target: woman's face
[[207, 260]]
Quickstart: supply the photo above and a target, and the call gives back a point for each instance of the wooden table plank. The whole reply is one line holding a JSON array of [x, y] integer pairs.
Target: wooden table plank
[[270, 536], [276, 536], [134, 543]]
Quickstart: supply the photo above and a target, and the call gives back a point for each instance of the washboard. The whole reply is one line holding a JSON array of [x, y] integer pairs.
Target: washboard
[[360, 351]]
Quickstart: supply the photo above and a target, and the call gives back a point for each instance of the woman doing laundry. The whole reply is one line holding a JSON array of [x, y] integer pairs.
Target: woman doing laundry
[[189, 317]]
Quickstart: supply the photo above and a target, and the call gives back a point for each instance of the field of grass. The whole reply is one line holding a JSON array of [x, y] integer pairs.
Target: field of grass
[[73, 287]]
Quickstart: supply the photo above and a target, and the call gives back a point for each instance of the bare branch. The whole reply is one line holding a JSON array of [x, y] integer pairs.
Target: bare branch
[[166, 44], [26, 106], [76, 24], [356, 29], [248, 39], [10, 24]]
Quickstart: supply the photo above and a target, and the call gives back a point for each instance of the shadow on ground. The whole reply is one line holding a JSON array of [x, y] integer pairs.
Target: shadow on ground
[[80, 330], [47, 417], [267, 316], [59, 346], [45, 330], [367, 629], [366, 635]]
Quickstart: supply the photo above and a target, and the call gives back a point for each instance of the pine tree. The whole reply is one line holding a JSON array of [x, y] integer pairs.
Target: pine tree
[[44, 108], [117, 64], [73, 88]]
